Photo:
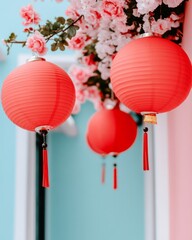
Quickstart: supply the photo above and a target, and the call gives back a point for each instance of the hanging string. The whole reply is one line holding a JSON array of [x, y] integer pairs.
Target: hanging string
[[45, 180], [103, 173], [145, 150]]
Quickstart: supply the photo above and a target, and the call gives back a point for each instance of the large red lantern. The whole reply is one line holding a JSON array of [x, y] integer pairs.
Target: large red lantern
[[151, 75], [38, 96], [110, 132]]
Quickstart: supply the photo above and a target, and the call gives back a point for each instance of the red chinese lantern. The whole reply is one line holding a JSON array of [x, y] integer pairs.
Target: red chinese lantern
[[38, 96], [151, 75], [111, 132]]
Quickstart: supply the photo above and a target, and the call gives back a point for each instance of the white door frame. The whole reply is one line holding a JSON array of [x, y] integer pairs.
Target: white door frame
[[155, 181], [25, 172], [161, 173]]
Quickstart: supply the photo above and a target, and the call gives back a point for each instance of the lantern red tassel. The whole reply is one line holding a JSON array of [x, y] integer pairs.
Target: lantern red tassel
[[115, 176], [145, 150], [45, 181], [103, 172]]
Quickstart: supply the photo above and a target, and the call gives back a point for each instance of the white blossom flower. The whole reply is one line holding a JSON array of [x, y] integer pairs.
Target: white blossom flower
[[146, 6], [172, 3]]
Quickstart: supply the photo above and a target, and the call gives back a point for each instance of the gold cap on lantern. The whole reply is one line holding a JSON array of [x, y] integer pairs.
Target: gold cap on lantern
[[150, 118]]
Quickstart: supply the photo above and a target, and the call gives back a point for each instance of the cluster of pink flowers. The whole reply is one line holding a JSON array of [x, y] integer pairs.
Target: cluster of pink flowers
[[106, 26], [36, 42], [29, 15]]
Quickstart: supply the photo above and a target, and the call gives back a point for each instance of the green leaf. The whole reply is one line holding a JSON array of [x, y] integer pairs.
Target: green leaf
[[69, 21], [45, 32], [63, 35], [65, 43], [61, 47], [76, 27], [61, 20], [12, 36], [71, 31], [54, 47], [56, 39], [56, 25]]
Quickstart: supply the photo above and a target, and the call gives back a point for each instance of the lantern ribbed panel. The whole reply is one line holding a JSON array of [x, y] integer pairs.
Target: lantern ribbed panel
[[38, 93], [94, 147], [111, 131], [151, 74]]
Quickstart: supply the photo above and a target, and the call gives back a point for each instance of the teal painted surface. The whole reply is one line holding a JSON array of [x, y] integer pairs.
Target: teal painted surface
[[79, 207], [10, 21]]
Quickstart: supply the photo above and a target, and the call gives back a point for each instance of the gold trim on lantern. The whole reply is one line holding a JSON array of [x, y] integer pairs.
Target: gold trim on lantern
[[150, 118]]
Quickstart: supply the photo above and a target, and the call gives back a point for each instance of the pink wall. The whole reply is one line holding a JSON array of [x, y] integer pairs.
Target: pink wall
[[180, 154]]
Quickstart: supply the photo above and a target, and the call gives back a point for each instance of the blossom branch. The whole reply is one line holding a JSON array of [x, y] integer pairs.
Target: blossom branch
[[65, 29], [46, 32]]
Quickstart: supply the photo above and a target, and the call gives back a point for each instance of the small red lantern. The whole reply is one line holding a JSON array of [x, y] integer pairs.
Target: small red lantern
[[38, 96], [111, 132], [151, 75]]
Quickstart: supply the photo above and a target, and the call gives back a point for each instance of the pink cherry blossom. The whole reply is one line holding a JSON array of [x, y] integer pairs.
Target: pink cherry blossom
[[30, 16], [89, 62], [72, 12], [112, 8], [77, 42], [174, 20], [92, 92], [93, 17], [88, 3], [160, 26], [79, 74], [80, 95], [37, 43]]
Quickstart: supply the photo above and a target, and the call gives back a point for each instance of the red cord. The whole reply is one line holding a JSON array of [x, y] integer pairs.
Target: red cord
[[115, 177], [45, 182], [145, 150]]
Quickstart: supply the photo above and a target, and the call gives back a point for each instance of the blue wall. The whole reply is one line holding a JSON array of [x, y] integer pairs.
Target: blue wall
[[79, 207]]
